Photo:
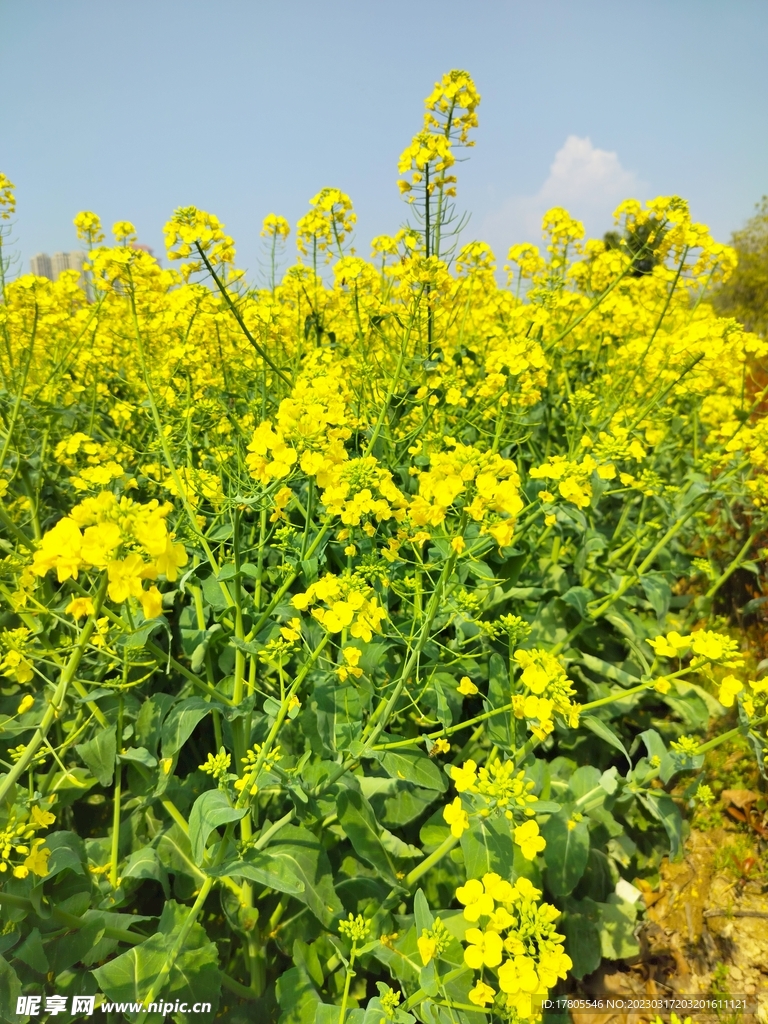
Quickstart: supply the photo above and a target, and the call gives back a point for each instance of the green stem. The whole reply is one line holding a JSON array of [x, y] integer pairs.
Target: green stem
[[115, 851], [59, 696]]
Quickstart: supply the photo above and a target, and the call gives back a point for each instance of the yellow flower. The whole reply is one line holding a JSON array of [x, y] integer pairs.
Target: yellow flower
[[729, 687], [125, 577], [26, 703], [440, 746], [41, 819], [79, 607], [171, 560], [528, 839], [427, 947], [458, 544], [467, 687], [481, 994], [37, 861], [292, 631], [477, 902], [151, 603], [485, 948], [455, 816], [465, 777]]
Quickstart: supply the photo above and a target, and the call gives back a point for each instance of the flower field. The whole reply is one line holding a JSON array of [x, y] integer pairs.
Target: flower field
[[359, 644]]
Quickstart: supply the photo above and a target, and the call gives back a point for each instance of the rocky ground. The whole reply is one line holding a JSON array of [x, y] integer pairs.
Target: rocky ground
[[705, 930]]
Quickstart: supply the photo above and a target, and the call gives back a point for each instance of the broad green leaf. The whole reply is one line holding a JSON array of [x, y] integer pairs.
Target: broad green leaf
[[10, 986], [578, 598], [423, 915], [99, 754], [297, 996], [276, 868], [665, 810], [145, 863], [617, 928], [487, 846], [658, 592], [150, 719], [581, 925], [175, 854], [654, 744], [209, 811], [498, 697], [194, 977], [566, 852], [310, 864], [67, 853], [584, 780], [357, 819], [31, 952], [74, 946], [606, 670], [138, 755], [180, 723], [414, 766], [338, 712], [605, 732]]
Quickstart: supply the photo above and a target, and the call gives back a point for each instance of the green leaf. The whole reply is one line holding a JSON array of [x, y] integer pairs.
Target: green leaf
[[498, 696], [487, 846], [665, 810], [338, 711], [277, 869], [139, 755], [213, 594], [180, 723], [150, 718], [654, 744], [423, 915], [74, 946], [357, 819], [67, 853], [138, 638], [310, 864], [579, 598], [194, 977], [617, 929], [175, 854], [209, 811], [145, 863], [605, 732], [566, 852], [658, 592], [581, 925], [584, 780], [99, 754], [10, 986], [413, 766], [31, 952], [608, 671], [297, 996]]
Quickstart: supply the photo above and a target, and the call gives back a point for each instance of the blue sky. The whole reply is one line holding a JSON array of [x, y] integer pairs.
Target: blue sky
[[244, 107]]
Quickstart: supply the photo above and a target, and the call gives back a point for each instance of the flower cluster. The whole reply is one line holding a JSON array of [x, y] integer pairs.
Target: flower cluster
[[516, 939], [17, 838], [549, 691], [350, 605], [483, 483], [128, 539], [498, 789], [706, 646]]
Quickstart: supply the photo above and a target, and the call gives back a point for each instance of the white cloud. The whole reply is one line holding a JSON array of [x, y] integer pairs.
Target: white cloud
[[589, 182]]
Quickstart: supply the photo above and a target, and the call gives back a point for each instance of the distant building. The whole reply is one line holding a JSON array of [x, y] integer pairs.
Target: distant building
[[44, 265], [41, 265]]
